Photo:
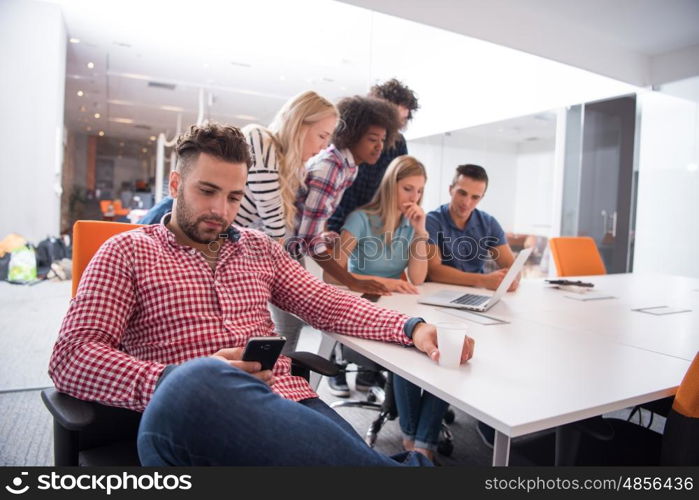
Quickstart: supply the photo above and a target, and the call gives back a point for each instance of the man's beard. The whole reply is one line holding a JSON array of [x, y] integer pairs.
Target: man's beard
[[190, 227]]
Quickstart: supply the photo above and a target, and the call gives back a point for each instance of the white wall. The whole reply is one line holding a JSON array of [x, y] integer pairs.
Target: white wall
[[534, 194], [429, 151], [33, 55], [443, 153], [521, 177], [667, 236], [463, 82], [591, 35]]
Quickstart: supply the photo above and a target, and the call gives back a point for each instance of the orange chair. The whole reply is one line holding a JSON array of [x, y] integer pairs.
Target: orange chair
[[113, 208], [88, 236], [576, 256]]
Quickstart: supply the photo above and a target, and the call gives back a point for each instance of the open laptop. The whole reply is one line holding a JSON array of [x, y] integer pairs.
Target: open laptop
[[474, 301]]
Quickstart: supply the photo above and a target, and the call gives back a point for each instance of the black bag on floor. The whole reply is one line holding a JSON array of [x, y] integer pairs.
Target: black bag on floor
[[5, 266], [48, 251]]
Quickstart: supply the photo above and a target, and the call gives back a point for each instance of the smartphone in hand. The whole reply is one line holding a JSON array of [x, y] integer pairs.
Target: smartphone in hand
[[265, 350]]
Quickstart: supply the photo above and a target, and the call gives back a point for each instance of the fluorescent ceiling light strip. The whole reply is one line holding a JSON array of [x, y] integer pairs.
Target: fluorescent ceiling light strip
[[164, 107], [195, 85]]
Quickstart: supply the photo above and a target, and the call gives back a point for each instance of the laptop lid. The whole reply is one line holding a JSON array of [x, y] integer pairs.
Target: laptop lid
[[512, 273]]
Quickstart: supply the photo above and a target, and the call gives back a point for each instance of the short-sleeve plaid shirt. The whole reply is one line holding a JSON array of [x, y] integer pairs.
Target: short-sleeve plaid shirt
[[328, 175], [145, 302]]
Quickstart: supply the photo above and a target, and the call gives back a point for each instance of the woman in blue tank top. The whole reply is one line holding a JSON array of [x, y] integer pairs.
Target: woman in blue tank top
[[386, 240]]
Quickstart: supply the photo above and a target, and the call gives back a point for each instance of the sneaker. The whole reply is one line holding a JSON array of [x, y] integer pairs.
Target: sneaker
[[338, 386], [366, 380], [487, 434]]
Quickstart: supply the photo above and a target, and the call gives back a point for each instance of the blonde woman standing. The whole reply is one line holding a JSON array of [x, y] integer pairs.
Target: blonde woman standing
[[300, 130]]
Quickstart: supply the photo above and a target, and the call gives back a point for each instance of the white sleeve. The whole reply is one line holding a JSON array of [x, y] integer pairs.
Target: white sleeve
[[262, 192]]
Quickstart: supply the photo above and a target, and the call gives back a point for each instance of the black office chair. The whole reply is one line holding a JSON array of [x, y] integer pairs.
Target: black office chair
[[380, 398], [86, 433], [614, 441], [388, 411]]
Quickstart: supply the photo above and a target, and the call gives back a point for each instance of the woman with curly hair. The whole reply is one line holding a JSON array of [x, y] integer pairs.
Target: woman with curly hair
[[368, 179], [366, 126]]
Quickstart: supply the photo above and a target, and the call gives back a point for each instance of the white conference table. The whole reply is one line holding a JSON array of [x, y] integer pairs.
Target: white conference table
[[555, 360]]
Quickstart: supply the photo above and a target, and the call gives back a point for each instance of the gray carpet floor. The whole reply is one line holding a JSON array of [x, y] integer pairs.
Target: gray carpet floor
[[30, 317], [26, 435]]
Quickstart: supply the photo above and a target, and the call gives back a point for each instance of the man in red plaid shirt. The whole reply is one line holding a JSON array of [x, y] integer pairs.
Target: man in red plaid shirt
[[163, 312]]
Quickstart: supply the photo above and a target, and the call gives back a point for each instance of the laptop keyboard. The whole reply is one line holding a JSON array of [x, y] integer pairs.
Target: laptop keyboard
[[470, 299]]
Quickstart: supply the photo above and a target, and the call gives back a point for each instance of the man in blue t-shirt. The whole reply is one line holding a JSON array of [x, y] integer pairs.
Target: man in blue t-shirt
[[463, 238]]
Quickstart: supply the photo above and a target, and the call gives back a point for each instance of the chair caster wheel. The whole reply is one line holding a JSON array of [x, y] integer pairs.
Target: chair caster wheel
[[445, 448], [370, 439]]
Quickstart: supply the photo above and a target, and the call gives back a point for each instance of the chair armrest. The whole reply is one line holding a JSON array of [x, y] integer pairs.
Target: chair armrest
[[313, 362], [69, 412]]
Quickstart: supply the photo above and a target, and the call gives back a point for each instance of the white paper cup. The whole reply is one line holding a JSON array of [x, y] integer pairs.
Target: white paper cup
[[450, 340]]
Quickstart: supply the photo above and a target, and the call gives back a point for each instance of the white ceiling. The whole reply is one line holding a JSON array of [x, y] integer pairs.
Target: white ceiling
[[252, 56], [641, 42], [523, 129], [537, 127], [247, 71]]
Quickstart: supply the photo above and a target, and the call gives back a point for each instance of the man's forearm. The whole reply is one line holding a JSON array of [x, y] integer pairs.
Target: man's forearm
[[72, 365], [447, 274]]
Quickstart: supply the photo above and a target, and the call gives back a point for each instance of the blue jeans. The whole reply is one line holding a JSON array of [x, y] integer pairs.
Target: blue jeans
[[420, 413], [206, 412]]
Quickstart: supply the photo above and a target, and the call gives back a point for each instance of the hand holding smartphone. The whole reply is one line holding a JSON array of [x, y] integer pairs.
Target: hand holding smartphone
[[265, 350]]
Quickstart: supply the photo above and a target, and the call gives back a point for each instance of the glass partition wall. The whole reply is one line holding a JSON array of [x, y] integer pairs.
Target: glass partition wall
[[621, 170], [599, 177]]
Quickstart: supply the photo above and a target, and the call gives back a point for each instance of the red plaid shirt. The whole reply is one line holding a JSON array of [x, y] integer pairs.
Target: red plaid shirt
[[146, 301]]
